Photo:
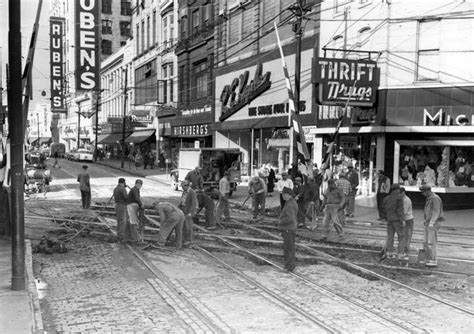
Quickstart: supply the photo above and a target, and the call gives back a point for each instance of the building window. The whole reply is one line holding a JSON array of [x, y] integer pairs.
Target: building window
[[201, 80], [363, 36], [154, 27], [148, 32], [240, 25], [123, 43], [427, 68], [145, 83], [183, 27], [137, 30], [165, 28], [167, 71], [143, 37], [181, 85], [171, 27], [195, 21], [106, 47], [125, 28], [125, 8], [106, 27], [107, 6]]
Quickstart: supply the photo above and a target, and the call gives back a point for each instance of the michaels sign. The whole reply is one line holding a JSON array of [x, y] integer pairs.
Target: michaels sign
[[440, 117]]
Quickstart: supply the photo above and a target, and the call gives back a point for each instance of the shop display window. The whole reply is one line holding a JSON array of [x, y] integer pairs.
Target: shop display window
[[439, 163]]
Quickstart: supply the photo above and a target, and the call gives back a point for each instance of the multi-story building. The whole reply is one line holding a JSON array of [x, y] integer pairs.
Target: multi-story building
[[420, 128], [39, 120], [251, 98], [75, 126]]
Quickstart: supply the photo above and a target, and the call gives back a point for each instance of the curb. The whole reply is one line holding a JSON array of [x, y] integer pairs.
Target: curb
[[35, 307]]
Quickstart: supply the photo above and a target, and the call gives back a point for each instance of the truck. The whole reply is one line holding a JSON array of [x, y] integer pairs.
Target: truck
[[57, 147], [37, 175], [212, 162]]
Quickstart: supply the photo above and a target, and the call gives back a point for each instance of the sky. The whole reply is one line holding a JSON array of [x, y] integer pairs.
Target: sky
[[41, 60]]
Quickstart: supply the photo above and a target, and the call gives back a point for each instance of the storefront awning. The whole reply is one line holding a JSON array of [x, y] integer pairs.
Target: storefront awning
[[278, 142], [42, 140], [111, 138], [138, 137]]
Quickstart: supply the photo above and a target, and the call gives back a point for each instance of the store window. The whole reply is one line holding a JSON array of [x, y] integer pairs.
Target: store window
[[439, 163], [428, 50]]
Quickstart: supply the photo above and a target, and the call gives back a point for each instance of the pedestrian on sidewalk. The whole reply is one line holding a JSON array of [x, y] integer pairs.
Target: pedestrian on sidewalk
[[288, 223], [120, 196], [271, 181], [56, 159], [146, 159], [85, 187], [206, 202], [284, 182], [171, 218], [224, 194], [334, 202], [134, 205], [382, 190], [393, 207], [433, 217], [409, 220], [353, 178], [257, 192], [189, 206]]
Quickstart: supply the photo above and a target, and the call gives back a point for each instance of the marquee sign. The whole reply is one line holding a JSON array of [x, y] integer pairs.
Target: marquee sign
[[87, 19], [241, 92], [336, 79], [56, 54]]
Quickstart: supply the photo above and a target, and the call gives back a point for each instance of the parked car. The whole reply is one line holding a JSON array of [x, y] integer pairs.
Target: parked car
[[70, 155], [83, 154]]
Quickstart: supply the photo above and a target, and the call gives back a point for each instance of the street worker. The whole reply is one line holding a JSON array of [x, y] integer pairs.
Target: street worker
[[195, 178], [343, 183], [224, 194], [408, 218], [334, 202], [120, 196], [288, 222], [353, 178], [134, 205], [206, 202], [282, 183], [311, 201], [257, 192], [171, 218], [85, 187], [188, 205], [393, 206], [433, 217], [382, 190], [298, 193]]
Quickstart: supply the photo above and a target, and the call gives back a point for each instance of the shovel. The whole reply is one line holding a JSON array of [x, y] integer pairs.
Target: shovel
[[245, 201]]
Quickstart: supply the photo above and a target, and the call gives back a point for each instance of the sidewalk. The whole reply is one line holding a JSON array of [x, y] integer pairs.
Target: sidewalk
[[19, 310]]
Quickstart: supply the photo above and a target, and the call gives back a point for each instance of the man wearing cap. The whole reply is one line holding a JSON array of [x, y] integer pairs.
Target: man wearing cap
[[393, 206], [171, 218], [433, 217], [343, 183], [288, 222], [257, 190], [120, 196], [224, 193], [189, 206], [382, 190], [353, 178], [284, 182], [334, 202], [195, 178], [85, 187], [134, 205]]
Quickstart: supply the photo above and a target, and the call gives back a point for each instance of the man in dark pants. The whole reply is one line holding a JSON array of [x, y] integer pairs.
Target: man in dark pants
[[393, 205], [188, 204], [383, 188], [257, 189], [85, 187], [120, 196], [206, 202], [288, 222]]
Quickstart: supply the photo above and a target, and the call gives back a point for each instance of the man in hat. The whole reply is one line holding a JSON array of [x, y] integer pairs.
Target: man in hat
[[189, 206], [353, 178], [134, 205], [393, 206], [195, 178], [334, 202], [120, 196], [383, 188], [257, 190], [433, 217], [85, 187], [343, 183], [224, 193], [284, 182], [288, 223], [171, 218]]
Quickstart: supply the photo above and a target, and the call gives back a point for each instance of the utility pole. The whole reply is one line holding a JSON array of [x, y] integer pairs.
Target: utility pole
[[96, 122], [38, 129], [78, 124], [16, 133], [122, 163]]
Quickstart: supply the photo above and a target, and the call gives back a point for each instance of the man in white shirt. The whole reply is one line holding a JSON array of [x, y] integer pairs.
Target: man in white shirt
[[284, 182]]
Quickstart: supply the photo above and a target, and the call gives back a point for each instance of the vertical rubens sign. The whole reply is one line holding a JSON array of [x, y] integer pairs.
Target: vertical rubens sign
[[339, 79], [87, 44], [56, 43]]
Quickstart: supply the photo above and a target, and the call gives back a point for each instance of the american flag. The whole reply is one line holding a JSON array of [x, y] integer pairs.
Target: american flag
[[293, 118]]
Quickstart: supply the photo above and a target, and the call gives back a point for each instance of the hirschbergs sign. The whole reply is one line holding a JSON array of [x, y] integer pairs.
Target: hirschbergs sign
[[87, 44], [336, 79]]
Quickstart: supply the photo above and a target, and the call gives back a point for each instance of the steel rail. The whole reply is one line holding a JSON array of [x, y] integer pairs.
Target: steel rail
[[370, 272], [311, 283]]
